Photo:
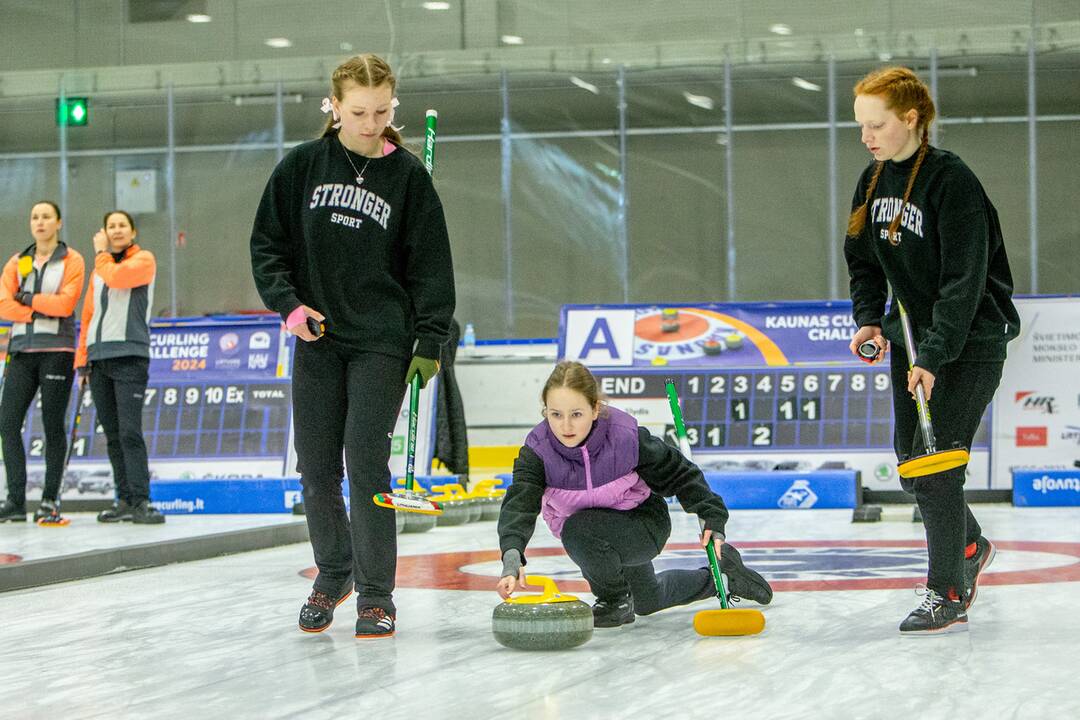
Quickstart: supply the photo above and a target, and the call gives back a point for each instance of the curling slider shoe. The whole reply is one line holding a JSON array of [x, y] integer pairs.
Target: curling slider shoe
[[933, 463], [406, 501]]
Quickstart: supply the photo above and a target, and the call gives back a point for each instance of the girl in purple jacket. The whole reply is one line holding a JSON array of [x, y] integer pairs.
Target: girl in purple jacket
[[600, 481]]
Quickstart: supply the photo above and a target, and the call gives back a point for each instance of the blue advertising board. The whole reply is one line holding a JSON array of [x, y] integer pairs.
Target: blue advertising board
[[1046, 488]]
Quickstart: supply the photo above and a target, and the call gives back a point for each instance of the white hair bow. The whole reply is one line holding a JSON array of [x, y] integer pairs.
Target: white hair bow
[[328, 107], [390, 123]]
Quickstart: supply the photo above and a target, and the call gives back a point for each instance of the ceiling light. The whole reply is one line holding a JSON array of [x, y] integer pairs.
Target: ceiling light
[[346, 46], [513, 40], [435, 5], [780, 29], [584, 85], [702, 101], [805, 84], [198, 18], [278, 42]]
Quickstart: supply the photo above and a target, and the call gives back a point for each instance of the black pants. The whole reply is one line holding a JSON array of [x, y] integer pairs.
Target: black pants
[[615, 550], [348, 401], [118, 386], [27, 371], [962, 390]]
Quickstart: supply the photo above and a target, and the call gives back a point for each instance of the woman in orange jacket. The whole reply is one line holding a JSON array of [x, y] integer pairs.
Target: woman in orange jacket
[[114, 353], [39, 289]]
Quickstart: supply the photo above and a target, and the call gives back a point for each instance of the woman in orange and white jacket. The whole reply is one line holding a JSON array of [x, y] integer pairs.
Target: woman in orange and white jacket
[[39, 289], [114, 352]]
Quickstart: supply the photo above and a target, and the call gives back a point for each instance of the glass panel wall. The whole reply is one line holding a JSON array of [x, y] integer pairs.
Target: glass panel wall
[[601, 174]]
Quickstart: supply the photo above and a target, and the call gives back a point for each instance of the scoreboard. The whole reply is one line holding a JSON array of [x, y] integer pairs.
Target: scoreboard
[[190, 420], [762, 386], [217, 411], [842, 408]]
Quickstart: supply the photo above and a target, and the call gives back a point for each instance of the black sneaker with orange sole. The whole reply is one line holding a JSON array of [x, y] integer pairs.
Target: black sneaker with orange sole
[[374, 622], [318, 612]]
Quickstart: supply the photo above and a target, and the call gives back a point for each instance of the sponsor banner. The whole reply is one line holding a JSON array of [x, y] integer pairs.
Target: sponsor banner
[[1041, 488], [779, 490], [241, 496], [1037, 408], [243, 351], [785, 490]]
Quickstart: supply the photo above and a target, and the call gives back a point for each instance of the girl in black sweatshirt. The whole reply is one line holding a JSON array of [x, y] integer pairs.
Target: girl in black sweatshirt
[[922, 223], [350, 233]]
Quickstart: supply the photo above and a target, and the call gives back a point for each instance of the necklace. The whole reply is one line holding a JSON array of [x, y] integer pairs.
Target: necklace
[[359, 173]]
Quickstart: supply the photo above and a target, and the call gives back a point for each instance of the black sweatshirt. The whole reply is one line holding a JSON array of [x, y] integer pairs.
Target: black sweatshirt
[[374, 258], [661, 466], [950, 270]]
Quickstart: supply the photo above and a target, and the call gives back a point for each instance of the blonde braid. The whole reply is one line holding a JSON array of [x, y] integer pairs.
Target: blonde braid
[[894, 226]]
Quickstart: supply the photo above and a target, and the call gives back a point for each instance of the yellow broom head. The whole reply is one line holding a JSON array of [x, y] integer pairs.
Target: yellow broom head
[[934, 463], [716, 623]]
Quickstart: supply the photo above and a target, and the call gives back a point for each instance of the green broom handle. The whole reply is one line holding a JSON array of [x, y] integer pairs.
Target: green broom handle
[[429, 141], [684, 446], [414, 386], [410, 458]]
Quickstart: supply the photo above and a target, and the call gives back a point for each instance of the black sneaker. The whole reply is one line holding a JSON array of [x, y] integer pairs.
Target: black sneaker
[[742, 582], [613, 613], [10, 512], [146, 514], [974, 566], [48, 513], [318, 612], [119, 512], [935, 616], [374, 622]]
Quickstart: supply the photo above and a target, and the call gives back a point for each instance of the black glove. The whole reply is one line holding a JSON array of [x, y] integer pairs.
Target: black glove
[[24, 297]]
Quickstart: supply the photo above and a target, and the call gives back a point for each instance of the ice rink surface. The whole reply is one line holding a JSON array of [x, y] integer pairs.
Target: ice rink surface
[[218, 638]]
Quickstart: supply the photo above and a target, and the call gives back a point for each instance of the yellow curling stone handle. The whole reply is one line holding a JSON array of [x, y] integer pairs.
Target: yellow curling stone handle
[[550, 592]]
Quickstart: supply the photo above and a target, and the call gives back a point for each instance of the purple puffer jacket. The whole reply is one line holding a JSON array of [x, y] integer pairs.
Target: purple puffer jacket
[[599, 473]]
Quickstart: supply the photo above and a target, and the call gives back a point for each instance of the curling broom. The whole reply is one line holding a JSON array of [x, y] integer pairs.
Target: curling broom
[[727, 620]]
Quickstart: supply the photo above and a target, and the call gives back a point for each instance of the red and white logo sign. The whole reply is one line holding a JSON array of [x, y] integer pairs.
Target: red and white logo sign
[[1031, 436], [1030, 400]]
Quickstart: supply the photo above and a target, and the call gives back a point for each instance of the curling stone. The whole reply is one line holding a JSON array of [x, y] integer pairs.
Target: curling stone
[[669, 320], [548, 621], [733, 341], [456, 505], [489, 497], [712, 347], [399, 520]]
